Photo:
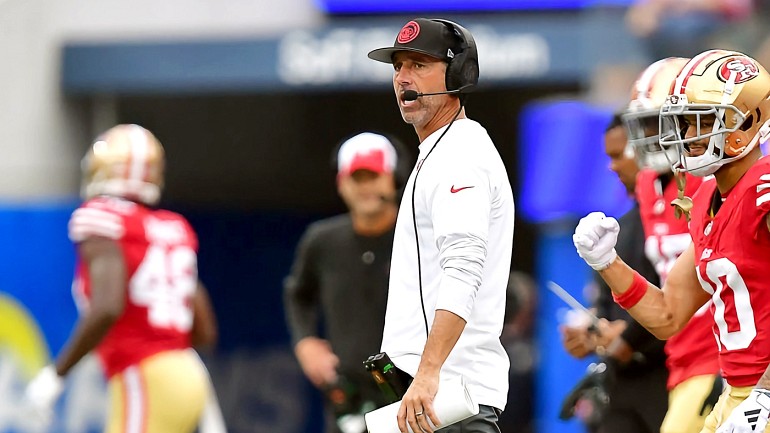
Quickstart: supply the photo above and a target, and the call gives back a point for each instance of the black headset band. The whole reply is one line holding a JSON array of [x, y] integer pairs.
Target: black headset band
[[462, 70]]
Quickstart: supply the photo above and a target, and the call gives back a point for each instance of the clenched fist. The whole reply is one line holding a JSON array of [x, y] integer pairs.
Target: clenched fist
[[595, 237]]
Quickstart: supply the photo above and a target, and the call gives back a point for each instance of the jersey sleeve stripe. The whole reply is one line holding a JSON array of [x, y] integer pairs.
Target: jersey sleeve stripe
[[763, 195], [764, 198], [81, 232], [108, 225], [89, 216], [86, 222], [96, 213]]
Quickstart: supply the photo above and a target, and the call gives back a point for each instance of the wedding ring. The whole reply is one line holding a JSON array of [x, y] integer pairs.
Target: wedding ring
[[418, 413]]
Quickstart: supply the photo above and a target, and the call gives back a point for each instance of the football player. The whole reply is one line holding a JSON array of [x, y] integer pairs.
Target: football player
[[717, 114], [136, 284], [691, 355], [632, 359]]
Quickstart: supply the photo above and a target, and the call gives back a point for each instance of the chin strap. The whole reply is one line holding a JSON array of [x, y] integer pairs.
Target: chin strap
[[682, 204]]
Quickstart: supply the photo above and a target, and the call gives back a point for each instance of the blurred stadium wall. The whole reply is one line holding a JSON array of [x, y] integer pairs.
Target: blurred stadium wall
[[43, 133]]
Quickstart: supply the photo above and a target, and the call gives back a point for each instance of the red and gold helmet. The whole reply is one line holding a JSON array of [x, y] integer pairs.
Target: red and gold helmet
[[125, 161], [641, 117], [723, 95]]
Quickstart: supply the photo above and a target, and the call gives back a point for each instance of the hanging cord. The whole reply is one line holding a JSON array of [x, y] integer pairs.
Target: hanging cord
[[682, 204], [414, 217]]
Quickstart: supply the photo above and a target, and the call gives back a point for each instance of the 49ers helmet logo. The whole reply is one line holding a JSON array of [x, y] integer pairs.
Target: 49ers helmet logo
[[408, 33], [743, 68]]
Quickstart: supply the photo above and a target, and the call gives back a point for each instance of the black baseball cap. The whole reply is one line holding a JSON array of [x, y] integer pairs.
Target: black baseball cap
[[421, 35]]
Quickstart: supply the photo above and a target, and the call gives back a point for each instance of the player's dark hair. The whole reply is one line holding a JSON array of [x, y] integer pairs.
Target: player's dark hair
[[617, 120]]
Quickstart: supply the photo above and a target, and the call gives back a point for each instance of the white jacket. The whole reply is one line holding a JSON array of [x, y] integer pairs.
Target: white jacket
[[465, 214]]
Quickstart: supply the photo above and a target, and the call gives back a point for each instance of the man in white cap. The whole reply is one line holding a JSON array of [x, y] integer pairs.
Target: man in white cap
[[340, 276]]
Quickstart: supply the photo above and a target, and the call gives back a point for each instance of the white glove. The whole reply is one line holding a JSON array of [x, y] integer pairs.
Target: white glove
[[41, 394], [595, 237], [750, 416]]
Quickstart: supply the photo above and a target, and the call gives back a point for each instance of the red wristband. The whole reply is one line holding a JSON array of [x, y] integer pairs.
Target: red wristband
[[634, 294]]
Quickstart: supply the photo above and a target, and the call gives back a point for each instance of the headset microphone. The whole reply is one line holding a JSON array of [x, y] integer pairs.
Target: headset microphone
[[411, 95]]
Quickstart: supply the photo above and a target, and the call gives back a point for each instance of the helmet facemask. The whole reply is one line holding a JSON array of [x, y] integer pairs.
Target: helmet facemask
[[713, 125], [642, 127], [648, 93]]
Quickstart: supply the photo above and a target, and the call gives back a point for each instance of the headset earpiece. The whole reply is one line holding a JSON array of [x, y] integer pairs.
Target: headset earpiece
[[463, 70]]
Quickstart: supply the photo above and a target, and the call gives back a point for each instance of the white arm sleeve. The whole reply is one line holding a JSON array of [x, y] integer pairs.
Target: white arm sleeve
[[460, 208]]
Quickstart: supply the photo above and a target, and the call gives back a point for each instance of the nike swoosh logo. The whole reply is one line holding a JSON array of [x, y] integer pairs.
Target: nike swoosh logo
[[454, 190]]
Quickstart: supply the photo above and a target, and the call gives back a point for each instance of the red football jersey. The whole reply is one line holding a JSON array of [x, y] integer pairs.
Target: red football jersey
[[732, 253], [693, 351], [160, 251]]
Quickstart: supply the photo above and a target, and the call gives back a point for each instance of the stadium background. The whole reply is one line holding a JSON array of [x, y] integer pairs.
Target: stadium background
[[249, 98]]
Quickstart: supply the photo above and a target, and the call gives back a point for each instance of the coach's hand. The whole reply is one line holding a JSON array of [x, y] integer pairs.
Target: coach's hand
[[417, 405], [595, 237], [41, 395], [750, 416]]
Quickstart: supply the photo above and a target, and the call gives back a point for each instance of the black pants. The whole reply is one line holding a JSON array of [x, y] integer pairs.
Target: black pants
[[484, 422], [637, 404]]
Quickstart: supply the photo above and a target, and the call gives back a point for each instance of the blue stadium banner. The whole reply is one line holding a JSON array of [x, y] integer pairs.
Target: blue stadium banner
[[36, 316], [566, 173], [539, 48]]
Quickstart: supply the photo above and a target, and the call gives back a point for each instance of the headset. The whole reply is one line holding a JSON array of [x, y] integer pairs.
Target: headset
[[463, 70]]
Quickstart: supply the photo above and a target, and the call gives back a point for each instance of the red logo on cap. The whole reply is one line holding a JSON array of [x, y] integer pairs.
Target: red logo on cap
[[743, 68], [408, 32]]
